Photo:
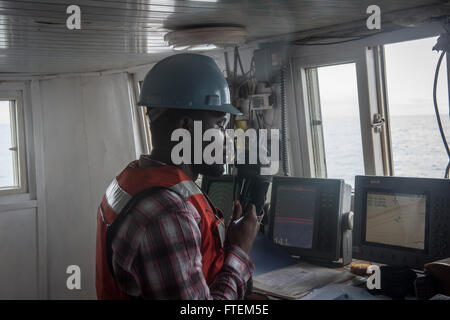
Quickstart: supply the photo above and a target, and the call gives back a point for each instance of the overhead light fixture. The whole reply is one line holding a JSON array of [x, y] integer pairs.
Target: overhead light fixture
[[202, 47], [206, 38], [180, 48]]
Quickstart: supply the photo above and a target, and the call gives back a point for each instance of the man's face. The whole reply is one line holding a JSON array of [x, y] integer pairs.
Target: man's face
[[219, 121]]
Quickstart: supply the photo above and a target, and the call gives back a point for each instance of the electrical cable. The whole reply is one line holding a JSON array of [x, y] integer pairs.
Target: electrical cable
[[263, 119], [306, 43], [436, 110], [257, 119], [258, 114], [239, 60], [447, 171]]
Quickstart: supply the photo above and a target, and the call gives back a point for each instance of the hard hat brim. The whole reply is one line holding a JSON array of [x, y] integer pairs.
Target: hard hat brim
[[226, 108], [229, 108]]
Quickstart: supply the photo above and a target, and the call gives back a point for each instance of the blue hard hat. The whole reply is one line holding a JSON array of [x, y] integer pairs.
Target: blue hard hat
[[187, 81]]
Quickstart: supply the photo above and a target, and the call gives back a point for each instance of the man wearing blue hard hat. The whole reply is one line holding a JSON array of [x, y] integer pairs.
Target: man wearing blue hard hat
[[158, 235]]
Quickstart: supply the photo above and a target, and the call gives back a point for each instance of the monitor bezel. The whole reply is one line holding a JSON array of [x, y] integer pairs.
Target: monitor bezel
[[434, 188], [319, 183]]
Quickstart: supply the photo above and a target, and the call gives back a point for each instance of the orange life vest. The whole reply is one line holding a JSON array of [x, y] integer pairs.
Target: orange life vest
[[134, 181]]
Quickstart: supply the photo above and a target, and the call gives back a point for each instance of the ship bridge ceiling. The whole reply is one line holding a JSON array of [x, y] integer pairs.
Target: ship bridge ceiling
[[34, 37]]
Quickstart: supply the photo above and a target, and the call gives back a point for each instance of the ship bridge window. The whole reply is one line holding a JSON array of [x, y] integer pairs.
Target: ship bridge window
[[335, 124], [12, 148], [416, 145], [366, 107]]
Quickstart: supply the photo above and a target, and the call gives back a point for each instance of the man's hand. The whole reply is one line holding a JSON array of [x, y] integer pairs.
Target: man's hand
[[242, 232]]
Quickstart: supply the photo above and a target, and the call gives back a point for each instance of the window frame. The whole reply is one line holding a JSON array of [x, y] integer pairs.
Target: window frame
[[315, 112], [383, 109], [368, 56], [366, 101], [141, 125], [18, 137]]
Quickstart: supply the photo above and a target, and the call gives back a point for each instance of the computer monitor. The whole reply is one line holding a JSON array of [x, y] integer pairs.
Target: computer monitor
[[310, 217], [401, 221], [220, 191]]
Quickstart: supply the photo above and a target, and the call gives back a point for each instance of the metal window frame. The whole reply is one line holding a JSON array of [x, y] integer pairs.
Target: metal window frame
[[18, 140], [140, 119], [383, 109], [141, 130], [368, 55], [314, 161], [316, 123]]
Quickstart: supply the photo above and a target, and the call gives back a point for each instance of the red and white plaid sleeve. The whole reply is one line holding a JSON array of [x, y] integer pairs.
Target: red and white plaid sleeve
[[156, 254]]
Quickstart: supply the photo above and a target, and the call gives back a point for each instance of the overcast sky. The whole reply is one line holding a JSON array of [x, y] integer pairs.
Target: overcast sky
[[410, 68], [4, 112]]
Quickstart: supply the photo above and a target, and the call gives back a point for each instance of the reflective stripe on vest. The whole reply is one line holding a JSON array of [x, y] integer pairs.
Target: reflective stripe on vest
[[118, 198]]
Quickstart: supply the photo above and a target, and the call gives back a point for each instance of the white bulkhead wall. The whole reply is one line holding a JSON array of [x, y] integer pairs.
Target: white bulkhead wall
[[85, 139], [88, 138], [82, 134]]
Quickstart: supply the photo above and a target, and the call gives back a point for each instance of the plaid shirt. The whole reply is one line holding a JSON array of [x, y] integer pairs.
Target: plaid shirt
[[156, 254]]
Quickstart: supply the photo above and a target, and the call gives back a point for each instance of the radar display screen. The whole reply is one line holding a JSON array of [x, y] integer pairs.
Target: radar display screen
[[294, 216], [396, 219]]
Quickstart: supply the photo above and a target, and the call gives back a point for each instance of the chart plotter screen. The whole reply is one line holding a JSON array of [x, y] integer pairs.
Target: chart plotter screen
[[294, 216], [396, 219]]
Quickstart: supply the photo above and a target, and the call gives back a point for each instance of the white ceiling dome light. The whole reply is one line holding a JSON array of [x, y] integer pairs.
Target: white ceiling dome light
[[206, 38]]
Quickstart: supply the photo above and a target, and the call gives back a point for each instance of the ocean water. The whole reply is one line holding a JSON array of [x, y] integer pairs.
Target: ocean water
[[417, 147]]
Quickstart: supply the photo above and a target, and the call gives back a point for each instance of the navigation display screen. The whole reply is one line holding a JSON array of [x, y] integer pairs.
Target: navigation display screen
[[294, 216], [396, 219]]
